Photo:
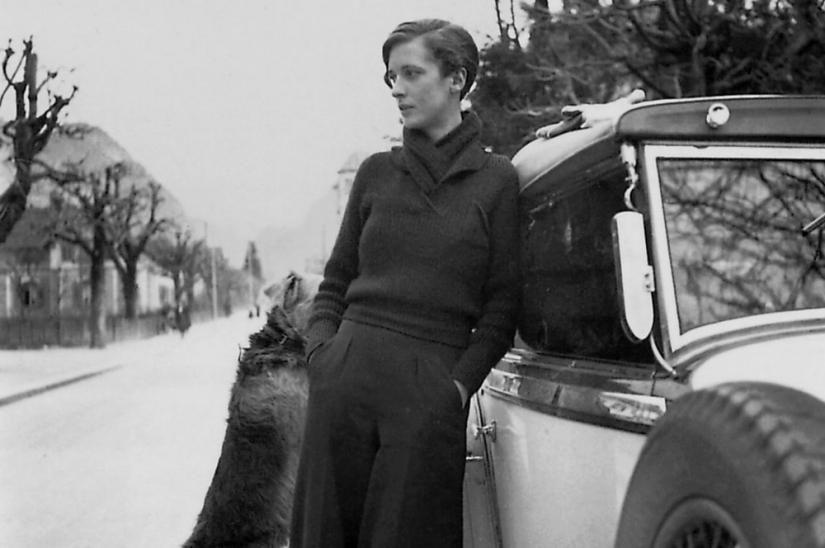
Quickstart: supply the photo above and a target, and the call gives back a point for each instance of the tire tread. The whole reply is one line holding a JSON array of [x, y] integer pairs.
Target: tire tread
[[789, 426], [756, 449]]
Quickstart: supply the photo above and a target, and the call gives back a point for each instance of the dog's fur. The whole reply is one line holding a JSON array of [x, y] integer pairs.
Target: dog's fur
[[249, 503]]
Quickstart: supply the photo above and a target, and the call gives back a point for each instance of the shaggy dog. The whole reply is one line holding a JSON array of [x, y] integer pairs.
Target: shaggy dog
[[249, 503]]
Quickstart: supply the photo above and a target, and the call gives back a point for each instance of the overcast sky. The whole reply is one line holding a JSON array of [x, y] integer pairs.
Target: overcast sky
[[243, 109]]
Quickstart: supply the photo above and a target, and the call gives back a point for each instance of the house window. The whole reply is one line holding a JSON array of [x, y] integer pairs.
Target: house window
[[164, 295], [31, 295]]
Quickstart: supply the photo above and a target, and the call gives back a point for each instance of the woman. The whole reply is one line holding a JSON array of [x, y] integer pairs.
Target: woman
[[418, 302]]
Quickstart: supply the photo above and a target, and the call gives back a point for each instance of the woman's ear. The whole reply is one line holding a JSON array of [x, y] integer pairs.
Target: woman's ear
[[458, 79]]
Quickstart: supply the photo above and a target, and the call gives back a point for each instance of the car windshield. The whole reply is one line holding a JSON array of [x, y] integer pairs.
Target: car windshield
[[745, 234]]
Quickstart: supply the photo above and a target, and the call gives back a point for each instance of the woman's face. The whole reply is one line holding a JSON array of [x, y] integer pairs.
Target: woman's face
[[428, 100]]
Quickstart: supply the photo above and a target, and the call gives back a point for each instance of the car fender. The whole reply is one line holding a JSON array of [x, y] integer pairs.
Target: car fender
[[796, 362]]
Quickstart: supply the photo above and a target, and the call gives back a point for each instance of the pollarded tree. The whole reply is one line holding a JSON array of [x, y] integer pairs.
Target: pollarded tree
[[254, 272], [180, 256], [83, 210], [133, 221], [30, 129], [231, 284], [252, 263], [134, 214]]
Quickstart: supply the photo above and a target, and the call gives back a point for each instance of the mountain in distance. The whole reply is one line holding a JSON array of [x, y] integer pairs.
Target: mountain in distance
[[88, 148], [303, 248], [227, 238], [306, 247], [91, 149]]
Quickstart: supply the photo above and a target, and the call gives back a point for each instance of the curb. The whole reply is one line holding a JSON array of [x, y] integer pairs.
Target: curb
[[51, 385]]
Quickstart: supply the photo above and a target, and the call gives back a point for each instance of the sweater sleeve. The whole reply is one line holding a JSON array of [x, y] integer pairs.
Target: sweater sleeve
[[494, 332], [341, 268]]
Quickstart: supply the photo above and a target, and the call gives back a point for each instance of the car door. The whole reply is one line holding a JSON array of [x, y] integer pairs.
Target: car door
[[564, 414]]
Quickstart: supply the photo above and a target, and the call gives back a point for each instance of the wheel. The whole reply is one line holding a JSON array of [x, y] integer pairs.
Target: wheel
[[739, 465]]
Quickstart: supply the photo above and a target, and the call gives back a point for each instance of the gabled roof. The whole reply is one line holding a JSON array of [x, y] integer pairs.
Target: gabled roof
[[31, 231], [353, 162]]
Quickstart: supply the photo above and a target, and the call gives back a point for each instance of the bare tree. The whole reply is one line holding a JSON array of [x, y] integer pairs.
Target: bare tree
[[180, 257], [508, 30], [132, 223], [592, 51], [682, 48], [84, 210], [254, 272], [29, 131]]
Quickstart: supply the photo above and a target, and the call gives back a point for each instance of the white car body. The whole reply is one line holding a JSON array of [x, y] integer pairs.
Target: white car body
[[556, 431]]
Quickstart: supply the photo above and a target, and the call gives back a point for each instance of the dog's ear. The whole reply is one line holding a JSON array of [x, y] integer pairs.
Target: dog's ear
[[291, 291], [301, 293]]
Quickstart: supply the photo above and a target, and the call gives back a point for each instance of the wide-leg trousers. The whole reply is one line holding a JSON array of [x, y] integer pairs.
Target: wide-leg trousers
[[382, 464]]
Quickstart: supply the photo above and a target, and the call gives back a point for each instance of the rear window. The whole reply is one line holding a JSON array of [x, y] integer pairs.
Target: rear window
[[570, 299]]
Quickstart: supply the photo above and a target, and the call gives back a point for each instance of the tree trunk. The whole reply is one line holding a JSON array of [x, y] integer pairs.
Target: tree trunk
[[190, 294], [130, 289], [97, 314], [13, 200]]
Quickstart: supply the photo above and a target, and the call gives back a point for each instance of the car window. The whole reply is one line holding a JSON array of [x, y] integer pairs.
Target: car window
[[570, 299], [737, 234]]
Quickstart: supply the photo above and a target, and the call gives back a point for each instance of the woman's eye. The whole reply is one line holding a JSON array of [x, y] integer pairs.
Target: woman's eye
[[405, 74]]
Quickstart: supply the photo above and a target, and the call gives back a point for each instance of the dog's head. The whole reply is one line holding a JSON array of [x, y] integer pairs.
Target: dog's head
[[294, 295]]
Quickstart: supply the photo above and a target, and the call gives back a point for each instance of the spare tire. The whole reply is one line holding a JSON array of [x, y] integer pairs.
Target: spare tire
[[738, 465]]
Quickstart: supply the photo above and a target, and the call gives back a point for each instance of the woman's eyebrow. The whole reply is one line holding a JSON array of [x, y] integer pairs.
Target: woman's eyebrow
[[407, 66]]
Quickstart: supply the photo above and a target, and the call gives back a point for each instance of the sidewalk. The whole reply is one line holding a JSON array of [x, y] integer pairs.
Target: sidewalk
[[25, 373]]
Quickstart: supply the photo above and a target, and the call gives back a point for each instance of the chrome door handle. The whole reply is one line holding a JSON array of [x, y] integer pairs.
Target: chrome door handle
[[488, 431]]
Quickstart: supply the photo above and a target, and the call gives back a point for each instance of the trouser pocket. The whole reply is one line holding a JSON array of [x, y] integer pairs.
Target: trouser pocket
[[326, 360]]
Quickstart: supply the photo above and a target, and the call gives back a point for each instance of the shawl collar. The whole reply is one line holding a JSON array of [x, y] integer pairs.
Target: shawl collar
[[426, 162]]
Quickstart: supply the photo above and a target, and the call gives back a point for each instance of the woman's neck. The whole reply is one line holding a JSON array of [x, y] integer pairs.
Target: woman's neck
[[435, 134]]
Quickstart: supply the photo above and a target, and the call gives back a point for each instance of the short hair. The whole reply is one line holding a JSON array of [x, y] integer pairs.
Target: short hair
[[450, 45]]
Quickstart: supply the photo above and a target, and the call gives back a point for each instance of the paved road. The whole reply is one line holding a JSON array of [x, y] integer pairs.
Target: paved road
[[122, 459]]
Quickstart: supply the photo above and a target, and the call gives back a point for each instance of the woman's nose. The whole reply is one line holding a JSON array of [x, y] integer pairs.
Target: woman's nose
[[396, 88]]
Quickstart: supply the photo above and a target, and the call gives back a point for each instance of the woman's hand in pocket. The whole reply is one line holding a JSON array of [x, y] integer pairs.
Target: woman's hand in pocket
[[463, 391]]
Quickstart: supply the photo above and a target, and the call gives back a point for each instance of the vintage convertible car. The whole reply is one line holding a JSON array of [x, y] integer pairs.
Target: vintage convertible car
[[667, 387]]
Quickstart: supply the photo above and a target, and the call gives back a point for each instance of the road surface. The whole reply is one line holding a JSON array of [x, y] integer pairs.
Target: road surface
[[123, 459]]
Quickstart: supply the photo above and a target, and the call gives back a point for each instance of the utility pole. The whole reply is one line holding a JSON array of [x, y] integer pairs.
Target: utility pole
[[214, 273], [252, 299], [214, 286]]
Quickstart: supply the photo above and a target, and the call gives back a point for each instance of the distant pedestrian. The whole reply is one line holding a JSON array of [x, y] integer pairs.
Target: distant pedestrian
[[166, 318], [182, 319]]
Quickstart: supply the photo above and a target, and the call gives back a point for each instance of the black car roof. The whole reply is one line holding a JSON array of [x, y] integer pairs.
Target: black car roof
[[754, 118]]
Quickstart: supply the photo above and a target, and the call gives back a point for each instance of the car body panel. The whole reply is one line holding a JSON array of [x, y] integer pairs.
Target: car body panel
[[795, 361], [559, 424], [583, 470], [575, 424]]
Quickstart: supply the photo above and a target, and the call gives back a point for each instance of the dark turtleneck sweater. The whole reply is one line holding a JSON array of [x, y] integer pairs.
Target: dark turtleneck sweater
[[428, 247]]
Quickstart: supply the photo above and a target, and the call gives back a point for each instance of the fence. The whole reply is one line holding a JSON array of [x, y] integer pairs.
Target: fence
[[72, 331]]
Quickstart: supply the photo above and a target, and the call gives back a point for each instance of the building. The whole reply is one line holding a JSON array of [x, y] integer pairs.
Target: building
[[40, 278]]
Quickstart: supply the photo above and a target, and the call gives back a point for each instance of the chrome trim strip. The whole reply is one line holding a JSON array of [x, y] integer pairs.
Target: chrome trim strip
[[577, 391]]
